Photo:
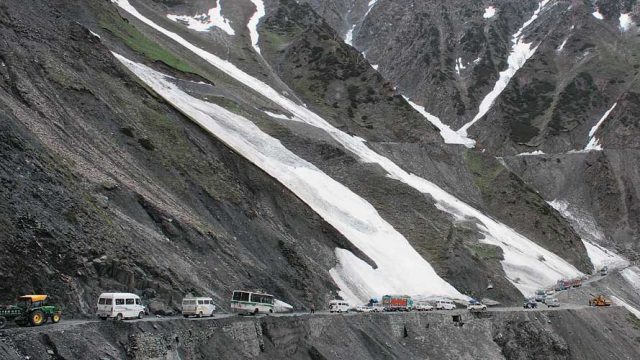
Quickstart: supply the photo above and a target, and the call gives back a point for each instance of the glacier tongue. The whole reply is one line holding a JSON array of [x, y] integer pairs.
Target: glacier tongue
[[400, 269], [527, 265]]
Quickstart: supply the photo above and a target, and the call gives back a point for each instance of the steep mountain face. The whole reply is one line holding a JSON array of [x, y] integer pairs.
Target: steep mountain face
[[166, 147]]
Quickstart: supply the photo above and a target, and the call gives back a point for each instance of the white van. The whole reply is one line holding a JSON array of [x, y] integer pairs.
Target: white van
[[120, 306], [445, 304], [338, 306], [198, 306]]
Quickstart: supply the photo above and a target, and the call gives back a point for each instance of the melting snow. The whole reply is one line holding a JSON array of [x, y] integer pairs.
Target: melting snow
[[348, 38], [277, 116], [449, 136], [632, 276], [375, 67], [94, 34], [616, 300], [253, 23], [590, 233], [372, 3], [537, 152], [526, 264], [594, 144], [520, 53], [596, 14], [400, 269], [625, 22], [459, 65], [562, 45], [489, 12], [281, 306], [204, 22]]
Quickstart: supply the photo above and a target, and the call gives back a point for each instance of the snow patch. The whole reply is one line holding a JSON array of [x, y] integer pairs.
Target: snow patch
[[353, 216], [372, 3], [204, 22], [585, 226], [594, 144], [280, 306], [559, 49], [489, 12], [253, 23], [520, 53], [276, 116], [533, 153], [616, 300], [626, 22], [94, 34], [348, 37], [596, 14], [632, 276], [448, 135], [375, 67], [528, 265], [459, 66]]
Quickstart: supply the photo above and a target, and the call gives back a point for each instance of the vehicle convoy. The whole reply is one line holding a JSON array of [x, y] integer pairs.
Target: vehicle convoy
[[120, 306], [252, 302], [198, 306], [339, 306], [563, 285], [599, 300], [530, 303], [397, 303], [476, 306], [30, 310]]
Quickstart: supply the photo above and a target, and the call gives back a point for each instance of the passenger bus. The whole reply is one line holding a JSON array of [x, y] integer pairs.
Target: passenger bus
[[251, 302]]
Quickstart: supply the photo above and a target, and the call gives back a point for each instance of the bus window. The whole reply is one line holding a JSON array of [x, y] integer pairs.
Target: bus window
[[200, 302], [130, 301], [108, 301]]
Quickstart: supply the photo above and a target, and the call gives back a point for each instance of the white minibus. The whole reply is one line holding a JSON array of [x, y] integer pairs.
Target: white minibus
[[338, 306], [198, 306], [445, 304], [120, 306]]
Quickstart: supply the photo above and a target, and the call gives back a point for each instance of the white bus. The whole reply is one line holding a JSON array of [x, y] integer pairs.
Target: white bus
[[198, 306], [251, 302], [120, 306]]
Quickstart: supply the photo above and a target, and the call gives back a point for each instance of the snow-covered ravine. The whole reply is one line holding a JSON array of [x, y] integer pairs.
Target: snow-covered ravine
[[520, 53], [204, 22], [593, 143], [448, 135], [527, 265], [591, 235], [253, 24], [353, 216]]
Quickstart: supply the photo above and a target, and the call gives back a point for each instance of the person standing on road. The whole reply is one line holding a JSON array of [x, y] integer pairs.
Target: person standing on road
[[312, 308]]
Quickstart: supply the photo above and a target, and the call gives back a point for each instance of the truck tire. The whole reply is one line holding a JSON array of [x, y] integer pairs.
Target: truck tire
[[3, 322], [36, 318], [55, 318]]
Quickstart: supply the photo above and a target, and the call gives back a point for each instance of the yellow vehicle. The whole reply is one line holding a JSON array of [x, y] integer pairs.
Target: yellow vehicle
[[30, 310], [599, 300]]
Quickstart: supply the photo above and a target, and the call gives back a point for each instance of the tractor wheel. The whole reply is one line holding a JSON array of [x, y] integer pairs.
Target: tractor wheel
[[36, 318], [55, 318], [3, 322]]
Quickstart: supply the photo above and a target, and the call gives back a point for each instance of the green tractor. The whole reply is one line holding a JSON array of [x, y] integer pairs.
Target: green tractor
[[30, 310]]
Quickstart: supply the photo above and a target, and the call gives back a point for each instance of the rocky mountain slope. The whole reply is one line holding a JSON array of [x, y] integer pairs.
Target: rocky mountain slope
[[150, 148]]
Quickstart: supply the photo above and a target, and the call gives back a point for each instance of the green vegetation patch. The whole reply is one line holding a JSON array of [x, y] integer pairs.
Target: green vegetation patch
[[484, 172], [137, 42], [485, 251]]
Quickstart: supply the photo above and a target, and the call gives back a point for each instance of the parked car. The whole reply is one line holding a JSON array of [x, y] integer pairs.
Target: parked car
[[445, 304], [549, 292], [540, 295], [476, 306], [552, 302], [530, 303], [604, 271], [365, 309], [422, 306]]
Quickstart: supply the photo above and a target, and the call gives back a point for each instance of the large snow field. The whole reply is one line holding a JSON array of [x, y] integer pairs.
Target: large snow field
[[526, 264], [400, 269]]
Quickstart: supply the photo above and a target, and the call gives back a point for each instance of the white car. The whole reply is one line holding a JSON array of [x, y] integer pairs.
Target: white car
[[422, 307], [365, 309], [445, 304], [549, 292], [552, 302], [477, 307]]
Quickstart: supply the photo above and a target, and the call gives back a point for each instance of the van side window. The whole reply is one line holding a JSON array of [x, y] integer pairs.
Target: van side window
[[206, 302], [130, 301], [119, 301], [200, 302], [101, 301], [108, 301], [137, 301]]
